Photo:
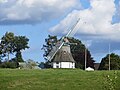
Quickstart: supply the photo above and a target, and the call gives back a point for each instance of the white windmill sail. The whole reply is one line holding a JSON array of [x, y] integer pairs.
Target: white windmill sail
[[60, 43]]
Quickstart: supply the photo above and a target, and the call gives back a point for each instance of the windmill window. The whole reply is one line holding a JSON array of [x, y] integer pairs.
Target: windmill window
[[64, 52], [57, 67], [57, 62]]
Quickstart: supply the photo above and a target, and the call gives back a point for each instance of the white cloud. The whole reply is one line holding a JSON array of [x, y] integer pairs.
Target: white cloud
[[119, 10], [34, 11], [3, 1], [95, 21]]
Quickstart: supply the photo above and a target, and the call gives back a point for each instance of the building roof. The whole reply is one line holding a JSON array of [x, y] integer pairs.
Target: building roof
[[64, 55]]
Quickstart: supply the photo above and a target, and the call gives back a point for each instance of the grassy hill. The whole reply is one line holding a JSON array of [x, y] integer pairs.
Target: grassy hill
[[58, 79]]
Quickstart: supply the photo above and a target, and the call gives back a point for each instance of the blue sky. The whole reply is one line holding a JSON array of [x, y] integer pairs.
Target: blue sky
[[36, 19]]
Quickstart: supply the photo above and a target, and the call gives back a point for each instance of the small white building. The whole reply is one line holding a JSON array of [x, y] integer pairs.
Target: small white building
[[63, 58], [89, 69]]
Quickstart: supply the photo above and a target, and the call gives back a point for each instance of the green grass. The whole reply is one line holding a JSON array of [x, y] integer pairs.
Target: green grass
[[58, 79]]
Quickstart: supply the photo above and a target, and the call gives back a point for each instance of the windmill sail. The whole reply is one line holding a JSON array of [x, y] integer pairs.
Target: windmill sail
[[58, 46], [72, 29]]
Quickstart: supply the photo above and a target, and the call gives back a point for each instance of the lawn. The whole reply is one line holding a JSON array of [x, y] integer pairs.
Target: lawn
[[58, 79]]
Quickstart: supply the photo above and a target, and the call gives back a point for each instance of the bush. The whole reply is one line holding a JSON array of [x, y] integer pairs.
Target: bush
[[9, 64]]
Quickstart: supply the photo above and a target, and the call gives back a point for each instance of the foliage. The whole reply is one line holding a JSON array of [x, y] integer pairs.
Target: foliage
[[2, 54], [55, 79], [48, 64], [42, 65], [45, 65], [6, 45], [49, 43], [77, 50], [19, 56], [9, 64], [114, 62], [20, 43], [13, 44]]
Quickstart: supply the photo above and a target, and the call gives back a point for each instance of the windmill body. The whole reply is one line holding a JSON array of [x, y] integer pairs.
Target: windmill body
[[63, 58]]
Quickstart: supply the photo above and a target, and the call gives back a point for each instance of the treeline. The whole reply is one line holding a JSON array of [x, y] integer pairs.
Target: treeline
[[11, 44], [114, 61]]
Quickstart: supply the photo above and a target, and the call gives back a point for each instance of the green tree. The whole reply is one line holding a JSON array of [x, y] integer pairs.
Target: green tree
[[20, 43], [114, 62], [78, 53], [49, 43], [19, 56], [9, 64], [0, 52], [13, 44], [6, 45]]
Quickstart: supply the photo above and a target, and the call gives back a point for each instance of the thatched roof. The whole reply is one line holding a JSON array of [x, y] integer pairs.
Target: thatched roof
[[64, 55]]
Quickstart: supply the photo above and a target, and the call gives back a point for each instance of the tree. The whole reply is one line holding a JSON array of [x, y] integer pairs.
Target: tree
[[20, 43], [78, 53], [6, 45], [77, 50], [13, 44], [0, 52], [49, 43], [19, 56], [114, 62]]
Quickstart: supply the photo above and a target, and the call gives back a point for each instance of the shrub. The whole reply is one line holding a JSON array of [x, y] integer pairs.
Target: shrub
[[9, 64]]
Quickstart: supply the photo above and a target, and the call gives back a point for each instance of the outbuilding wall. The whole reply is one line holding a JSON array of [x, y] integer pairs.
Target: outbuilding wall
[[63, 65]]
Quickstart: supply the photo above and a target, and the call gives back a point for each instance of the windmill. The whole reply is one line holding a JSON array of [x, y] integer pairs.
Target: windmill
[[61, 52]]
